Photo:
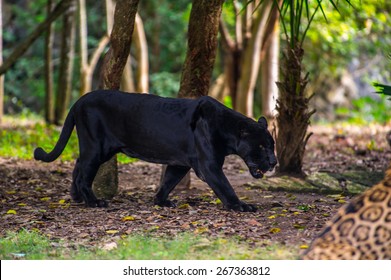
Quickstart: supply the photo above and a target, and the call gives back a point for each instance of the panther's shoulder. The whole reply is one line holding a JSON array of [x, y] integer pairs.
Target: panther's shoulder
[[360, 230]]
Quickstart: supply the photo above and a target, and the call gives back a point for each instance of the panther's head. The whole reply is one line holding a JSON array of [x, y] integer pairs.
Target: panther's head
[[256, 147]]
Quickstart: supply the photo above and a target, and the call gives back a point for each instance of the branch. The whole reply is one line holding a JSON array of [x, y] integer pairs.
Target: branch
[[98, 51], [24, 45]]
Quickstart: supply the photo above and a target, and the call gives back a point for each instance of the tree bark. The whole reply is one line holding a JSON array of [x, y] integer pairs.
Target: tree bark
[[141, 56], [1, 62], [49, 88], [201, 49], [106, 181], [269, 74], [242, 53], [251, 61], [292, 108], [66, 64], [87, 66], [61, 7]]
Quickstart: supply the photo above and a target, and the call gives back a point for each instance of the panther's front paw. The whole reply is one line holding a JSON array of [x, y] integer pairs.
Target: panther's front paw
[[165, 203], [97, 203], [242, 207]]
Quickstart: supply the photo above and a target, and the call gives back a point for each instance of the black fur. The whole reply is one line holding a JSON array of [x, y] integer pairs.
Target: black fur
[[182, 133]]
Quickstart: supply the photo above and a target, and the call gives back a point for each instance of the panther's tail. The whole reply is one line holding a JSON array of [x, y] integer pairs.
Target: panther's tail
[[40, 154]]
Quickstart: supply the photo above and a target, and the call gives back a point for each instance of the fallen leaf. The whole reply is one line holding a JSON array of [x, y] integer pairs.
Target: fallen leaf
[[200, 230], [271, 217], [112, 231], [298, 226], [304, 246], [11, 212], [61, 201], [216, 201], [22, 204], [45, 198], [274, 230], [184, 206], [128, 218]]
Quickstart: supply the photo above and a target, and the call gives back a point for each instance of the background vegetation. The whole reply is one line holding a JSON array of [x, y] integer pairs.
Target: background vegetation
[[343, 54]]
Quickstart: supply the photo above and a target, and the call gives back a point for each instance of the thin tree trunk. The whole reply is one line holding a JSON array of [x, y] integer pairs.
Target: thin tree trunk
[[292, 108], [127, 80], [269, 74], [49, 87], [66, 64], [1, 62], [106, 181], [61, 7], [202, 46], [251, 61], [141, 56], [87, 67]]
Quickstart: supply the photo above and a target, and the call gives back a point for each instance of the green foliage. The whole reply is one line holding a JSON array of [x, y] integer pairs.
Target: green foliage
[[31, 245], [366, 110], [360, 33], [165, 84]]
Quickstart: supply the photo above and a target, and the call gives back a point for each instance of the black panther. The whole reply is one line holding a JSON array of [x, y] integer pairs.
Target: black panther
[[181, 133]]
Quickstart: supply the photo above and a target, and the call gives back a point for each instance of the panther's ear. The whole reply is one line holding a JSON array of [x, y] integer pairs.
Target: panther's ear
[[263, 122]]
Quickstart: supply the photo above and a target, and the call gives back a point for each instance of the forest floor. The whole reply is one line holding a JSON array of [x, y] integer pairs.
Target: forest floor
[[291, 211]]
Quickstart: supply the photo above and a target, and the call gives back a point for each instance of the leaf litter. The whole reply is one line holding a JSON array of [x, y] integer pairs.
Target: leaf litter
[[35, 197]]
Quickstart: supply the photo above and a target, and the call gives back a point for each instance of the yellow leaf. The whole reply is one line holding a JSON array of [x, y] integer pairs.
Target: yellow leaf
[[45, 198], [271, 217], [296, 213], [112, 231], [61, 201], [341, 200], [216, 201], [304, 246], [11, 192], [22, 204], [201, 230], [128, 218], [274, 230], [11, 212], [184, 206]]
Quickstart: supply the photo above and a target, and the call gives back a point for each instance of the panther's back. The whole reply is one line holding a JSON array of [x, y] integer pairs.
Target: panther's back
[[360, 230]]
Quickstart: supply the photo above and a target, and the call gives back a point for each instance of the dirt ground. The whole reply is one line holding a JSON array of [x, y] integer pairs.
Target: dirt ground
[[35, 196]]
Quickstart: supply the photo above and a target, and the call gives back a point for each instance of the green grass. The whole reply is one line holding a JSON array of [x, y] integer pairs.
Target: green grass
[[34, 246], [20, 136]]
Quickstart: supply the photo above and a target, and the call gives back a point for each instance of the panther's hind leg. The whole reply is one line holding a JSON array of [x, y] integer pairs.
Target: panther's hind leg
[[75, 189], [171, 178], [88, 170]]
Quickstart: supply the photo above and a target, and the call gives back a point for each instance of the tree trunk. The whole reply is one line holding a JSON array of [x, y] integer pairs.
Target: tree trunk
[[1, 62], [269, 74], [106, 181], [127, 80], [202, 45], [201, 53], [141, 56], [49, 88], [61, 7], [66, 64], [293, 114], [87, 67]]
